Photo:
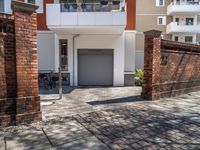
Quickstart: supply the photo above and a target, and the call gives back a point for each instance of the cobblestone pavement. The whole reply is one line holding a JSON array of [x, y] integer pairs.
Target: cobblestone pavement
[[59, 134], [82, 100], [119, 121], [171, 123]]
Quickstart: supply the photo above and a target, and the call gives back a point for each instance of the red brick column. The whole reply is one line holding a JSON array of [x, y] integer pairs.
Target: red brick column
[[3, 91], [152, 60], [27, 101]]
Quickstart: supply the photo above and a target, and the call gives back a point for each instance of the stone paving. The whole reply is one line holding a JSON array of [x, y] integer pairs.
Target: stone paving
[[60, 134], [172, 123], [140, 127], [83, 100]]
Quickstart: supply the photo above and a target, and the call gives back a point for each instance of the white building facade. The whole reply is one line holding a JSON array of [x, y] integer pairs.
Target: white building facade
[[89, 41], [185, 21]]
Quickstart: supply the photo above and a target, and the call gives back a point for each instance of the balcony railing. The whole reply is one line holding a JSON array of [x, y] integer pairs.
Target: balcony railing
[[94, 18], [175, 27], [186, 3], [90, 7], [179, 8]]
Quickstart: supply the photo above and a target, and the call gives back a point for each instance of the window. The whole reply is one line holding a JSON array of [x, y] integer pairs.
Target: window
[[160, 2], [188, 39], [176, 38], [64, 54], [161, 20], [189, 21], [1, 6], [31, 1], [177, 20]]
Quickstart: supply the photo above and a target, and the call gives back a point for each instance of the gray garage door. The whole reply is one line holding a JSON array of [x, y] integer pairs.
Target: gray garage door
[[95, 67]]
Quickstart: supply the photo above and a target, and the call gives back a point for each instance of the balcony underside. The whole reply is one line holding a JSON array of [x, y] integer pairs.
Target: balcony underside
[[87, 29], [174, 10]]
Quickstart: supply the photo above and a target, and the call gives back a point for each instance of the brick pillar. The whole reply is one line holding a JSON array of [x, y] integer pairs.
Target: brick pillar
[[152, 60], [3, 89], [27, 101]]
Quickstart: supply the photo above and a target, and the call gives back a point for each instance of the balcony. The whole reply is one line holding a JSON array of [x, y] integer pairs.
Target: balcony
[[174, 27], [187, 8], [88, 19]]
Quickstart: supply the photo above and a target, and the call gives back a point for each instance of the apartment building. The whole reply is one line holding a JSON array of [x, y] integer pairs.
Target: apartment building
[[92, 41], [177, 19]]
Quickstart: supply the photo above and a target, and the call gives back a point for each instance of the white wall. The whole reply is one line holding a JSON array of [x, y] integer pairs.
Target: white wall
[[139, 60], [129, 65], [182, 37], [46, 51], [40, 4], [115, 42], [182, 19], [7, 6], [57, 18]]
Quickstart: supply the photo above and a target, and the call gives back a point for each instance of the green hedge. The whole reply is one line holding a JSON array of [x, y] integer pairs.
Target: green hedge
[[139, 77]]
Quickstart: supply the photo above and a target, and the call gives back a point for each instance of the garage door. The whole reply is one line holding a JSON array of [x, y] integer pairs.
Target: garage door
[[95, 67]]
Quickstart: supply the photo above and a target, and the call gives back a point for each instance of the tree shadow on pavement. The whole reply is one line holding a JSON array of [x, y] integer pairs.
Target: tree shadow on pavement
[[139, 127]]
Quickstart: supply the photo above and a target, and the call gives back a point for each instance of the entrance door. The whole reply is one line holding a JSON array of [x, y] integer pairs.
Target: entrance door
[[95, 67]]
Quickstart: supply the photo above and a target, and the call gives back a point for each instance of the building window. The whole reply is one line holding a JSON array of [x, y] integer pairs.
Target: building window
[[160, 2], [1, 6], [188, 39], [161, 20], [177, 20], [31, 1], [176, 38], [64, 54], [189, 21]]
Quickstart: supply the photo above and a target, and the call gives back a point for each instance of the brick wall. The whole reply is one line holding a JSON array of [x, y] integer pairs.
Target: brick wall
[[19, 100], [3, 92], [26, 53], [171, 68]]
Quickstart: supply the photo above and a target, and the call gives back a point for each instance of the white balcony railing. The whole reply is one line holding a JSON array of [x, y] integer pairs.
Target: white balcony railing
[[174, 27], [90, 17], [190, 8]]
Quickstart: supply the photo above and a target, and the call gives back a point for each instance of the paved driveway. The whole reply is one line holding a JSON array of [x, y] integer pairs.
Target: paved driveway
[[114, 124], [82, 100]]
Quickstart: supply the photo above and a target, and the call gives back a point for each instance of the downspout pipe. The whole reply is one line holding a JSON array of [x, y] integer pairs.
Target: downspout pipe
[[74, 37]]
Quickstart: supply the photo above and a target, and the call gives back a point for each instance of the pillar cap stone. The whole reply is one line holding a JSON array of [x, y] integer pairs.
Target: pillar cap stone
[[24, 6], [153, 33]]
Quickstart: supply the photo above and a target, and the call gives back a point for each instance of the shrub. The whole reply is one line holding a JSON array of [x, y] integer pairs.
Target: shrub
[[139, 77]]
